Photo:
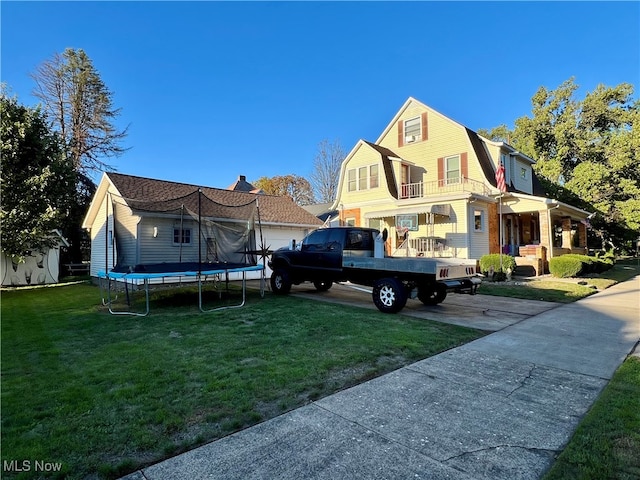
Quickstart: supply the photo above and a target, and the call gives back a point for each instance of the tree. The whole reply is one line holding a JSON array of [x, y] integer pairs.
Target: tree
[[326, 171], [79, 105], [38, 181], [294, 186], [587, 153]]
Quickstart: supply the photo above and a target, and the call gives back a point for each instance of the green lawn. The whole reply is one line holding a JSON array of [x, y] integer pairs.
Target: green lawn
[[552, 289], [103, 395], [606, 445]]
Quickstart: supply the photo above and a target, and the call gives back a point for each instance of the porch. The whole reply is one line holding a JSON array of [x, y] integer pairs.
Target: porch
[[534, 237], [432, 247]]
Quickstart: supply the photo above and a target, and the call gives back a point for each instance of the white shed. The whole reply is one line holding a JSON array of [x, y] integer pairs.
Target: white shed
[[40, 268]]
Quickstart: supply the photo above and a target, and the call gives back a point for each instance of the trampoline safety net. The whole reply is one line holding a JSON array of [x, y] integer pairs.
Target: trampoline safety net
[[191, 229]]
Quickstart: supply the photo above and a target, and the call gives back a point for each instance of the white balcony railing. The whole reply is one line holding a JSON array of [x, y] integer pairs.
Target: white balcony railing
[[438, 187]]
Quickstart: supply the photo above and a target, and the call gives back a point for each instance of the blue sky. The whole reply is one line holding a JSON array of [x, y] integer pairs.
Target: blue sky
[[213, 90]]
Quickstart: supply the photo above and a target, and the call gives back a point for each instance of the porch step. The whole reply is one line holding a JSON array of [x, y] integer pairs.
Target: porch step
[[525, 271]]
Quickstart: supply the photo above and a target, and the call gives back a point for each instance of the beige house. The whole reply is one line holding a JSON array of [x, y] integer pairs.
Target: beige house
[[433, 179]]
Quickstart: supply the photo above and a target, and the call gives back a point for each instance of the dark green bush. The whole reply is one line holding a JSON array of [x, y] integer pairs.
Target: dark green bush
[[493, 260], [592, 264], [565, 266], [588, 263]]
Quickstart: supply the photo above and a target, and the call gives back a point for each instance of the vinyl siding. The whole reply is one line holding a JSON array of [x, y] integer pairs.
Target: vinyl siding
[[478, 241], [127, 233], [99, 231], [524, 185], [161, 248], [445, 138], [365, 156]]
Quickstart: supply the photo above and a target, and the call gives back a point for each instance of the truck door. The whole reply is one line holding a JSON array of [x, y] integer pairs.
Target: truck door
[[322, 250]]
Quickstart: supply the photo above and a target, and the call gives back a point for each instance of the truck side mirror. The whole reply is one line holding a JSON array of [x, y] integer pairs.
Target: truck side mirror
[[385, 235]]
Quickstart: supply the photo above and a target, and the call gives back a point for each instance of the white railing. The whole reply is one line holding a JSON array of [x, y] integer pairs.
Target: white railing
[[438, 187], [423, 247]]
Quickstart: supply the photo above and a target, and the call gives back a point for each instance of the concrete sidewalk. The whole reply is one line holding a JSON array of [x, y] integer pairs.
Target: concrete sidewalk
[[501, 407]]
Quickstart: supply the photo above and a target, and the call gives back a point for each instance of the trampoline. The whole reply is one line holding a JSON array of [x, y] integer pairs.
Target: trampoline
[[183, 272], [198, 239]]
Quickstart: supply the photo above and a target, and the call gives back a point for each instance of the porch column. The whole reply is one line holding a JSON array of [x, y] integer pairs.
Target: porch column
[[566, 233], [582, 235], [494, 228], [545, 232]]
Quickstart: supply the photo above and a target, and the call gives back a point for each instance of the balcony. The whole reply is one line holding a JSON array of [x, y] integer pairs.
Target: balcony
[[440, 187]]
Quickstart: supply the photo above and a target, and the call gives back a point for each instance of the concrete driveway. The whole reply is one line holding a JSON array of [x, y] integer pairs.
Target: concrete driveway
[[484, 312]]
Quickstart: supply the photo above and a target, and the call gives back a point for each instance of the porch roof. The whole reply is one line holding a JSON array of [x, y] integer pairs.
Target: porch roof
[[560, 208], [437, 209]]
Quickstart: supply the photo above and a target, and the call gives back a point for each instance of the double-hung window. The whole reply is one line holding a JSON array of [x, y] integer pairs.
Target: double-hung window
[[373, 176], [412, 130], [452, 169], [351, 180], [363, 178]]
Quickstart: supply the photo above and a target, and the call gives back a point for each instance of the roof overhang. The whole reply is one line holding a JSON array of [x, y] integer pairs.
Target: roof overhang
[[443, 209], [560, 208]]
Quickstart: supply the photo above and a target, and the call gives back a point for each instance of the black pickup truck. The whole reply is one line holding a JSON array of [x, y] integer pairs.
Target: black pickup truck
[[356, 254]]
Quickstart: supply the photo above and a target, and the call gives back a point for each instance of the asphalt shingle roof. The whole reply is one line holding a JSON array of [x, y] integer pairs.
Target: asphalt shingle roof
[[152, 195]]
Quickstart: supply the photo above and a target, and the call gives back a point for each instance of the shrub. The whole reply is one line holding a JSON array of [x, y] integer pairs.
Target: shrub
[[493, 260], [592, 264], [565, 266]]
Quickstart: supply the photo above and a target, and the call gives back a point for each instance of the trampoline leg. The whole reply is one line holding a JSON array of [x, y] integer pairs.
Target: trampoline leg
[[244, 296], [135, 314]]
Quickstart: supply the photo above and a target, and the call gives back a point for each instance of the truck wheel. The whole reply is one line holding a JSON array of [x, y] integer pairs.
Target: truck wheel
[[280, 282], [389, 295], [432, 294], [322, 285]]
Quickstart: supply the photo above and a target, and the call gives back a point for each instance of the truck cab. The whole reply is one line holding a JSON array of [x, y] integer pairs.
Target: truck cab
[[319, 256]]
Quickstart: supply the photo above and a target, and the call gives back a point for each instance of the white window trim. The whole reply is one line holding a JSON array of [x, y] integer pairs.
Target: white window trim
[[482, 220], [357, 179], [184, 244], [412, 138], [446, 170]]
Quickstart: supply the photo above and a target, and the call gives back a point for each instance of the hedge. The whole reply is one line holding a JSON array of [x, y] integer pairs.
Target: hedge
[[573, 265], [493, 260]]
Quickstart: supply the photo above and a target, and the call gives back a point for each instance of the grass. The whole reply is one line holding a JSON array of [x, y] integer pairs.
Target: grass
[[606, 444], [104, 395], [551, 289]]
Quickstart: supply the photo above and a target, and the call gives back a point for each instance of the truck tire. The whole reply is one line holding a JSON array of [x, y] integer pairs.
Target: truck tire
[[389, 295], [432, 294], [322, 285], [280, 282]]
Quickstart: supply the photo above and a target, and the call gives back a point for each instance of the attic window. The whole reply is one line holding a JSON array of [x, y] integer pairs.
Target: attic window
[[412, 130]]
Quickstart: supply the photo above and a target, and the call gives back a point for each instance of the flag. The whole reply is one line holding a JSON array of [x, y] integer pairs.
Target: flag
[[502, 186]]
